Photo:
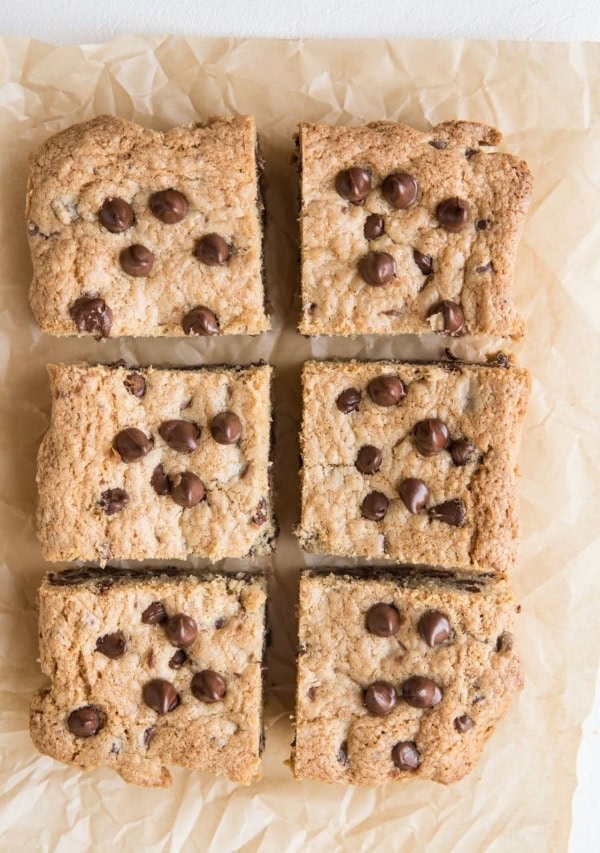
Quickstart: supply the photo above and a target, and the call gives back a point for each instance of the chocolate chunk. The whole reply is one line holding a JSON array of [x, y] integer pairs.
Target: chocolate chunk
[[380, 698], [178, 659], [377, 268], [209, 686], [212, 250], [434, 628], [482, 224], [160, 481], [226, 428], [348, 400], [353, 184], [505, 642], [135, 384], [85, 722], [405, 755], [132, 444], [451, 512], [114, 500], [438, 143], [414, 494], [112, 645], [180, 435], [453, 214], [369, 459], [461, 451], [160, 695], [200, 321], [342, 754], [424, 262], [386, 390], [374, 506], [431, 436], [420, 692], [463, 724], [260, 516], [137, 260], [374, 226], [400, 190], [154, 614], [189, 491], [92, 314], [453, 316], [170, 206], [383, 620], [116, 215], [181, 631]]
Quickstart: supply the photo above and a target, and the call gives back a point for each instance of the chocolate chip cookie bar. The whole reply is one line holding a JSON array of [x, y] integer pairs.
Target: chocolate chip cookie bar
[[134, 232], [416, 463], [401, 675], [149, 463], [409, 232], [151, 668]]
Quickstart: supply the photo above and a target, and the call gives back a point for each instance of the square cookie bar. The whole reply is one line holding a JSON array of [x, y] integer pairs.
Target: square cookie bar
[[151, 668], [401, 675], [415, 463], [145, 463], [134, 232], [409, 232]]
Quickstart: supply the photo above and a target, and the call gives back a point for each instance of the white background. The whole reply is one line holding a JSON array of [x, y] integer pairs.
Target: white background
[[85, 21]]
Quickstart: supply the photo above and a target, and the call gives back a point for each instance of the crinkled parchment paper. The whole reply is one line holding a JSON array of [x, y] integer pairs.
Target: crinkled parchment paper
[[546, 100]]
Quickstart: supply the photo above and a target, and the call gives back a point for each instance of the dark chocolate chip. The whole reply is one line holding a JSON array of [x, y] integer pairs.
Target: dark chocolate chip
[[137, 260], [132, 444], [374, 506], [220, 622], [348, 400], [92, 314], [116, 215], [453, 316], [200, 321], [369, 459], [374, 226], [471, 152], [420, 692], [383, 620], [482, 224], [181, 631], [114, 500], [451, 512], [342, 754], [170, 206], [135, 384], [424, 262], [260, 516], [180, 435], [149, 734], [434, 628], [414, 494], [505, 642], [461, 451], [405, 755], [160, 695], [400, 190], [226, 428], [212, 250], [453, 214], [353, 184], [377, 268], [160, 481], [112, 645], [189, 491], [463, 724], [431, 436], [154, 614], [438, 143], [380, 698], [311, 693], [386, 390], [85, 722], [209, 686], [178, 659]]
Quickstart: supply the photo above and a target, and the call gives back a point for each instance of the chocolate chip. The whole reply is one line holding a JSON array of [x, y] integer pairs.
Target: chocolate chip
[[380, 698], [453, 316], [369, 459], [461, 451], [463, 724], [181, 436], [209, 686], [189, 491], [414, 494], [137, 261], [212, 250], [200, 321], [453, 214], [149, 734], [342, 754], [420, 692], [113, 500], [471, 152], [260, 516], [431, 436], [170, 206], [383, 620], [85, 722], [377, 268], [181, 631], [135, 384], [405, 755], [374, 506], [434, 628], [451, 512], [112, 645], [226, 428], [482, 224], [348, 400], [386, 390], [116, 215], [353, 184], [400, 190], [489, 267], [438, 143], [505, 642], [92, 314], [154, 614], [220, 622], [374, 226], [160, 695], [424, 262], [160, 481], [178, 659], [132, 444]]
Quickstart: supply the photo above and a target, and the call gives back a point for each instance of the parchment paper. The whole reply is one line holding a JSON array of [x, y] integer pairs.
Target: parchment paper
[[546, 100]]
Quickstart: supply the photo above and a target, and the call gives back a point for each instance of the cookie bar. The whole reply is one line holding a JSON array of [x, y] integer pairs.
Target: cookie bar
[[415, 463], [409, 232], [134, 232], [149, 463], [401, 675], [152, 668]]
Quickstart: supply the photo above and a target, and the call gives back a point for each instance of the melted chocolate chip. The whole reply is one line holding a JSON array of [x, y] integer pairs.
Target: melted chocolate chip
[[181, 631], [453, 317], [85, 722], [200, 321], [505, 642], [348, 400], [489, 267], [369, 459], [135, 384], [170, 206], [160, 695], [386, 390], [132, 444], [431, 436], [438, 143], [380, 698], [160, 481], [383, 620], [226, 428], [114, 500], [212, 250], [92, 314], [181, 436], [178, 659], [400, 190], [414, 494], [463, 724], [374, 506], [154, 614], [453, 214], [149, 734], [209, 686], [374, 226], [424, 262], [482, 224], [353, 184], [342, 754], [461, 451], [420, 692], [137, 260], [377, 268], [189, 491], [112, 645], [434, 628], [405, 755], [451, 512], [116, 215]]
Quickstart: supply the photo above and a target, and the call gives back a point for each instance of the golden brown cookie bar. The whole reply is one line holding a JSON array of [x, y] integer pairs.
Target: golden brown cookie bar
[[134, 232], [146, 463], [409, 232], [151, 668], [416, 463], [401, 675]]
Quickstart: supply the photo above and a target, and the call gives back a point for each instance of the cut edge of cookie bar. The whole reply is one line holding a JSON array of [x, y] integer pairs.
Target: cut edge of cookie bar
[[74, 297], [493, 227], [454, 631], [79, 720]]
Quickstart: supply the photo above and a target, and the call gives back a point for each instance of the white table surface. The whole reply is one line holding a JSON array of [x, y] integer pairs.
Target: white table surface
[[90, 21]]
